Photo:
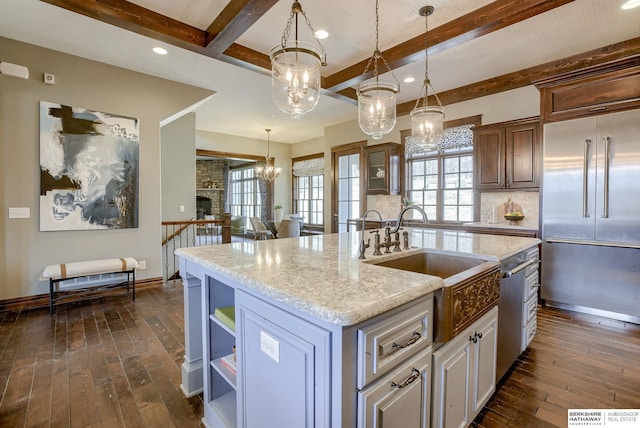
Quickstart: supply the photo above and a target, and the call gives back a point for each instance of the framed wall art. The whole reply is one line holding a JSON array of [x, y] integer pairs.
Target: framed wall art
[[89, 169]]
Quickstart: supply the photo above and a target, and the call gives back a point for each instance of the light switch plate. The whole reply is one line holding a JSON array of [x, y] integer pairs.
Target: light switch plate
[[270, 346], [19, 212]]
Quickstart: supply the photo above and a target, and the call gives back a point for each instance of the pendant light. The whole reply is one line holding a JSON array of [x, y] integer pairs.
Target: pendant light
[[377, 100], [426, 120], [295, 69], [267, 172]]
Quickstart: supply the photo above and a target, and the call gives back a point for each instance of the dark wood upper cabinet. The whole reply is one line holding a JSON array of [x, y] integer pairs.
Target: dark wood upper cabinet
[[507, 155], [593, 90], [382, 169]]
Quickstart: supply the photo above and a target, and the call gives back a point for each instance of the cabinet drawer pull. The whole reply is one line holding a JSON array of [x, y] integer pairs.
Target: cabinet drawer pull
[[416, 336], [475, 337], [415, 374]]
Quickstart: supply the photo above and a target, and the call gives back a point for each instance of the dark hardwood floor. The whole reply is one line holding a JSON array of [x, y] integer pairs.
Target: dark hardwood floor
[[109, 362], [99, 363]]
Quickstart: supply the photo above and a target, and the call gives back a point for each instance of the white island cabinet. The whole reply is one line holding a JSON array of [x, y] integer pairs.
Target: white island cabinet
[[321, 339], [464, 373]]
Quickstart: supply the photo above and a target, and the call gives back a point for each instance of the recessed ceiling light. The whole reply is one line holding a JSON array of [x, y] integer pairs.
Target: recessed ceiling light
[[409, 79], [630, 4], [321, 34], [160, 51]]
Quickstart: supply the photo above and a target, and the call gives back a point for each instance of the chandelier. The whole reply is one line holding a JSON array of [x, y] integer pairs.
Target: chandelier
[[377, 100], [295, 69], [267, 172], [426, 120]]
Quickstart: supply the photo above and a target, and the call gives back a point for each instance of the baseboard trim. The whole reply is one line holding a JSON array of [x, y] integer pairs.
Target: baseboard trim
[[42, 300]]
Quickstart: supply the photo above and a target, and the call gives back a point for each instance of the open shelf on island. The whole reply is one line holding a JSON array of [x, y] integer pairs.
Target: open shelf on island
[[224, 372]]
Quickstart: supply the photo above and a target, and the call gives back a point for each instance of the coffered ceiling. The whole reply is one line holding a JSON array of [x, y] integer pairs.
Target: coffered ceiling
[[476, 47]]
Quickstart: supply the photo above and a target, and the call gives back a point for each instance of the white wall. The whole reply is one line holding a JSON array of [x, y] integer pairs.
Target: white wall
[[25, 251]]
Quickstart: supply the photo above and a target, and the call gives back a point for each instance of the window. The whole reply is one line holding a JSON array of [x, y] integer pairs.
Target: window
[[245, 193], [308, 189], [309, 198], [441, 182]]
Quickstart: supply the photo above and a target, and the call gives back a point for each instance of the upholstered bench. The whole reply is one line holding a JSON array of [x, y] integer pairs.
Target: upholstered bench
[[68, 271]]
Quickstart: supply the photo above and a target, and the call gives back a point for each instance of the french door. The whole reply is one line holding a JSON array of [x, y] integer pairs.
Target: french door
[[346, 184]]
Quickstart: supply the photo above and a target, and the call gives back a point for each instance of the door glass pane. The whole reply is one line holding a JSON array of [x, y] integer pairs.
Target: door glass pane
[[348, 182]]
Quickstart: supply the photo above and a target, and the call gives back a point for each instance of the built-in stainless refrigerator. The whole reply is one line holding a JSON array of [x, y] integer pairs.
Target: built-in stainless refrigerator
[[591, 215]]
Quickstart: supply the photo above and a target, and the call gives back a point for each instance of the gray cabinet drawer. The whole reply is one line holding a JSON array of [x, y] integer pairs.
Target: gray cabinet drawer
[[532, 254], [529, 310], [528, 333], [399, 399], [531, 284], [385, 343]]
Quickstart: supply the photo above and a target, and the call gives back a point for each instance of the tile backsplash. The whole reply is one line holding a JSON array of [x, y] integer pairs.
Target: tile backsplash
[[528, 201], [388, 205]]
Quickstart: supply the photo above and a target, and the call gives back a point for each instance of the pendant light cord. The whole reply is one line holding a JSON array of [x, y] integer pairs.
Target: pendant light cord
[[377, 55], [296, 8], [427, 83]]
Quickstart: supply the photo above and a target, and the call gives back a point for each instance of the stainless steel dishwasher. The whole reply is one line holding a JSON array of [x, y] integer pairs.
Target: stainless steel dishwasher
[[517, 308]]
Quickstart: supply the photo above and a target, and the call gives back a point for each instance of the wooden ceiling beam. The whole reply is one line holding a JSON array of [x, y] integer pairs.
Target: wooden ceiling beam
[[528, 76], [135, 18], [480, 22], [233, 21]]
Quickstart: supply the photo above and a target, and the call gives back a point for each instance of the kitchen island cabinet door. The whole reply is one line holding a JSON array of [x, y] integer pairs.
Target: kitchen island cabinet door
[[452, 366], [464, 375], [284, 368], [486, 347]]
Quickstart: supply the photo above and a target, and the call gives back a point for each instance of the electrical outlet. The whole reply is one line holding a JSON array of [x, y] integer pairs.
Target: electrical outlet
[[270, 346], [181, 208], [142, 264]]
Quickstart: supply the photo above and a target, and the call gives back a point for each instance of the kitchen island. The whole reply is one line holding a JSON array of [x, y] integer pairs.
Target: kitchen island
[[306, 311]]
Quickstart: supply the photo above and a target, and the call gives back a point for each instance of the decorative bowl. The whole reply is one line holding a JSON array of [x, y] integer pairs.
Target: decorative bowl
[[513, 219]]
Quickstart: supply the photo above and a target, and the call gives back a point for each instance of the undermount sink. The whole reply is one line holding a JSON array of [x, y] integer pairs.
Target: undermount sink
[[471, 287]]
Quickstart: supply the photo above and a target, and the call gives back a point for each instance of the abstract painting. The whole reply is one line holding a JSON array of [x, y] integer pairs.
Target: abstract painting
[[88, 169]]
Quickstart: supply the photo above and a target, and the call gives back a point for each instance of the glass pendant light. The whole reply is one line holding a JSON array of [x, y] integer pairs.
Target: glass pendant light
[[377, 100], [426, 120], [267, 172], [295, 69]]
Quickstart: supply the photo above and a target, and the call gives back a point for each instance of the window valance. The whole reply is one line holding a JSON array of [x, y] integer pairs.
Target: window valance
[[308, 167], [452, 138]]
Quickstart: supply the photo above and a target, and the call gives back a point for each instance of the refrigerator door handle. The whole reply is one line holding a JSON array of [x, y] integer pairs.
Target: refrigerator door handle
[[585, 179], [607, 159], [593, 243]]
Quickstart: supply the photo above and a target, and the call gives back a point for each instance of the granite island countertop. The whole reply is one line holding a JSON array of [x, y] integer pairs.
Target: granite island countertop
[[322, 275]]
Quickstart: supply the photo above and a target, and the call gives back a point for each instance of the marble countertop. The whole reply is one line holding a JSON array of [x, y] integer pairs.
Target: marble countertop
[[322, 275]]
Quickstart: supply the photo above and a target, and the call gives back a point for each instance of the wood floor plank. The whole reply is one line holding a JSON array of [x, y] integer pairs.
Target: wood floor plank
[[60, 410], [39, 412], [126, 402], [107, 403], [82, 399], [179, 410]]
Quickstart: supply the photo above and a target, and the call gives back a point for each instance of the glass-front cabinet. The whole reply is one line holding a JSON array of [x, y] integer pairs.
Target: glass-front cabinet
[[382, 169]]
